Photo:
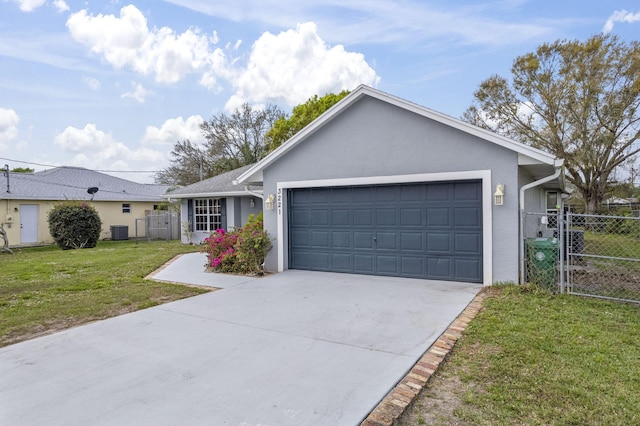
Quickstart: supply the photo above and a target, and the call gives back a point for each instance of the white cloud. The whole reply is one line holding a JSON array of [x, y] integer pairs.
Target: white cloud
[[29, 5], [126, 41], [95, 149], [620, 16], [61, 5], [174, 130], [415, 22], [91, 82], [297, 64], [139, 93], [8, 126]]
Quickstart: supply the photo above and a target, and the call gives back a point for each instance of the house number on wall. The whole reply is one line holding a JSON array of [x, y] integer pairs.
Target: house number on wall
[[279, 201]]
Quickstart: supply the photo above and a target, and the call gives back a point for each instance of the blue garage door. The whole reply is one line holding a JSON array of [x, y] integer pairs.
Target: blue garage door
[[425, 230]]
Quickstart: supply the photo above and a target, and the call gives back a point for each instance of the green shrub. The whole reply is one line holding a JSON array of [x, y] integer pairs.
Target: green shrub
[[241, 251], [74, 225]]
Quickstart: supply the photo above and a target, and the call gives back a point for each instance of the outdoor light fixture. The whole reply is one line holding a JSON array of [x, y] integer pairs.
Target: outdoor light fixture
[[252, 203], [269, 202], [498, 196]]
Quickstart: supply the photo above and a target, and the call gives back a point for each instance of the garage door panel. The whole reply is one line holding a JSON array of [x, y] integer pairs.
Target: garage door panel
[[363, 217], [439, 242], [341, 239], [320, 195], [411, 241], [439, 216], [386, 194], [363, 240], [342, 262], [439, 268], [341, 218], [412, 193], [321, 261], [303, 259], [319, 217], [438, 192], [468, 191], [387, 217], [300, 217], [320, 239], [301, 238], [411, 217], [467, 216], [468, 243], [412, 266], [387, 265], [363, 264], [467, 269], [425, 230], [363, 194], [387, 241]]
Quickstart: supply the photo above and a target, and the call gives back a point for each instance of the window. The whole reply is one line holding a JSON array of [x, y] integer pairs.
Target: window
[[126, 208], [207, 214]]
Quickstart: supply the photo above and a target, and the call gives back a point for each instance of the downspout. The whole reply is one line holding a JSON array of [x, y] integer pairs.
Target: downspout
[[559, 165], [255, 194]]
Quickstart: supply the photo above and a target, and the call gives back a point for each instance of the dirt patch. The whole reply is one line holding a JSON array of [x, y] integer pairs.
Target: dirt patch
[[437, 403]]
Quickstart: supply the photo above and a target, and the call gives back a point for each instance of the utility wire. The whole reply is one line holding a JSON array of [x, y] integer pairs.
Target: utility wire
[[53, 167]]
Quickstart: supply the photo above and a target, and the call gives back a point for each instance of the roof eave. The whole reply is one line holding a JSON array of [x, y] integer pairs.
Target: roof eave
[[210, 194]]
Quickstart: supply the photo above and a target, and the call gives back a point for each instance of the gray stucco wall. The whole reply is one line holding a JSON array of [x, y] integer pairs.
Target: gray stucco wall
[[237, 214], [373, 138]]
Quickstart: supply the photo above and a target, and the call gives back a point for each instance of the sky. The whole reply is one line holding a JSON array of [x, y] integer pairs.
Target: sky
[[112, 86]]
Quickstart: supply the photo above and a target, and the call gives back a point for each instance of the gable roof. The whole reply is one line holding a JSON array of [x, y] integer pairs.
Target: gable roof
[[71, 183], [221, 185], [527, 155]]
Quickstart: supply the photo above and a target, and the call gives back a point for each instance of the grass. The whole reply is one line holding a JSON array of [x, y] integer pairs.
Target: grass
[[533, 358], [47, 289]]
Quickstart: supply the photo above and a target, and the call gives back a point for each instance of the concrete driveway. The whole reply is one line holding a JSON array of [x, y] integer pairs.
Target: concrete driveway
[[295, 348]]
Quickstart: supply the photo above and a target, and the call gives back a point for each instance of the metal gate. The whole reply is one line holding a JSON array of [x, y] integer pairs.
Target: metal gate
[[163, 226], [588, 255], [603, 256]]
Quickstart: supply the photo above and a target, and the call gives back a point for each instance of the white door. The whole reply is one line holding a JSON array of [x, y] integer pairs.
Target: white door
[[28, 223]]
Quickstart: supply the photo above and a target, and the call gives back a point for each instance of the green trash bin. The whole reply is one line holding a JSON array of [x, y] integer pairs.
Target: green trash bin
[[542, 260]]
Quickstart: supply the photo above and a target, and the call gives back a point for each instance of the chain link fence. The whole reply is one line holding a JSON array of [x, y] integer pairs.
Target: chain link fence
[[603, 256], [589, 255]]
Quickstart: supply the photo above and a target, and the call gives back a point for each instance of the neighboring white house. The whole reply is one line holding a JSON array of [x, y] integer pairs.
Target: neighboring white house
[[215, 203], [379, 185]]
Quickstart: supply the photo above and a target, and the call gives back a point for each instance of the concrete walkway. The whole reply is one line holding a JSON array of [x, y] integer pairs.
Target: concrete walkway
[[295, 348]]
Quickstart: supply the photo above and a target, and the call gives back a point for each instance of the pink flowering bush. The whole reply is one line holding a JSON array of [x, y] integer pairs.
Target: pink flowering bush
[[239, 251]]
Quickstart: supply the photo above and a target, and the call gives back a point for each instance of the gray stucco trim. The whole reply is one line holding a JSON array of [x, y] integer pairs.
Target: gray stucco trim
[[483, 175]]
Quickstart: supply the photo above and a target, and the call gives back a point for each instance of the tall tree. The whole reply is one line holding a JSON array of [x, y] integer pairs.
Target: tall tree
[[577, 100], [232, 141], [286, 127], [239, 139], [189, 163]]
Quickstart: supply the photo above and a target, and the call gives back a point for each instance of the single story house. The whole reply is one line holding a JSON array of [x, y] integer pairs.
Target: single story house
[[380, 185], [26, 198], [215, 203]]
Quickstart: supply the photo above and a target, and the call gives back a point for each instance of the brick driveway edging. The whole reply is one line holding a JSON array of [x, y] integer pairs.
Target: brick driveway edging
[[402, 395]]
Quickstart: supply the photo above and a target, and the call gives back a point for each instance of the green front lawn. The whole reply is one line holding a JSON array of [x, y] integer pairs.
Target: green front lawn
[[46, 289], [532, 358]]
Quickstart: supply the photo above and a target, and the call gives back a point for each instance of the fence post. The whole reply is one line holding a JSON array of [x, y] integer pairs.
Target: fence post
[[522, 254], [562, 238]]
